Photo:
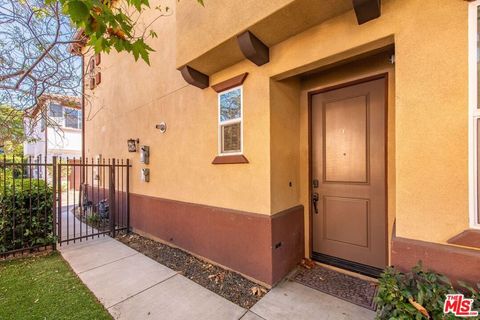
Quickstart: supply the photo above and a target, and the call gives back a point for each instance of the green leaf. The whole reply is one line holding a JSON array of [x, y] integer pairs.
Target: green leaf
[[99, 45], [153, 34], [78, 10], [141, 49]]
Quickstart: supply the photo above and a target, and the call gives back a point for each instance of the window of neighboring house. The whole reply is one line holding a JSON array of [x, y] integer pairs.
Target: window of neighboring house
[[42, 124], [55, 111], [73, 118], [474, 111], [230, 124]]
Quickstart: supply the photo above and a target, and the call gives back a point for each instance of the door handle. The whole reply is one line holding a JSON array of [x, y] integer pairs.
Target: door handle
[[315, 198]]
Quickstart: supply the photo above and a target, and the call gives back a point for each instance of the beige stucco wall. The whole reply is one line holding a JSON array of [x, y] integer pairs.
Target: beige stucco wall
[[218, 21], [431, 85], [428, 161], [431, 103], [284, 144], [134, 97]]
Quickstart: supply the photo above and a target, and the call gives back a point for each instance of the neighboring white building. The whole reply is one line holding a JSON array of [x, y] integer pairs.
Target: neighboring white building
[[55, 126]]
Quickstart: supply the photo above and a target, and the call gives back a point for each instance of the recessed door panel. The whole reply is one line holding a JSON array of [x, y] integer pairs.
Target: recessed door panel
[[346, 136], [346, 220]]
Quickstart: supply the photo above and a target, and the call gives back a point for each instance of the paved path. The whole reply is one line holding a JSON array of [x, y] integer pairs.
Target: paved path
[[132, 286], [71, 226]]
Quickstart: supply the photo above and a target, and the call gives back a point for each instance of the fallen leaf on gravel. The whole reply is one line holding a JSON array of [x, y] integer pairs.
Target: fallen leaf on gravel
[[307, 263], [219, 277], [258, 291]]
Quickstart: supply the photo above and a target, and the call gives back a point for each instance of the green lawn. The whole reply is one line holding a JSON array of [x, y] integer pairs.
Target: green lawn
[[45, 287]]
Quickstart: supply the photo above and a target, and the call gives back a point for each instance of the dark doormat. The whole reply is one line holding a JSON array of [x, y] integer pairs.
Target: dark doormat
[[355, 290]]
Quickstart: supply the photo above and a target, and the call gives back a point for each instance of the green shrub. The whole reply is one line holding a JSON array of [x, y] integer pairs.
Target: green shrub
[[93, 220], [13, 169], [405, 296], [25, 214]]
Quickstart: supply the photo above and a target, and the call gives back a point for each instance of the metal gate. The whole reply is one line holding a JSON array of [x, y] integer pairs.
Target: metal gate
[[91, 198]]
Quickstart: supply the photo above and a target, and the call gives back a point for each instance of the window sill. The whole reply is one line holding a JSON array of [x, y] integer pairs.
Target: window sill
[[71, 129], [468, 238], [232, 159]]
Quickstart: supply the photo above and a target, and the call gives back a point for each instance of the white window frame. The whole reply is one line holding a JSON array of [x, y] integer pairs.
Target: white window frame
[[223, 123], [473, 113]]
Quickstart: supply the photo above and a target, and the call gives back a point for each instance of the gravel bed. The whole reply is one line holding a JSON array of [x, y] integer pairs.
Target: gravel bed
[[225, 283]]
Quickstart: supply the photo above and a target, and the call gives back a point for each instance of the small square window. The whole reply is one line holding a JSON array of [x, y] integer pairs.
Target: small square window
[[230, 105]]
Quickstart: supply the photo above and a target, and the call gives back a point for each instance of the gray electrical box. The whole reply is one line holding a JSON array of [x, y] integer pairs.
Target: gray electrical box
[[145, 154]]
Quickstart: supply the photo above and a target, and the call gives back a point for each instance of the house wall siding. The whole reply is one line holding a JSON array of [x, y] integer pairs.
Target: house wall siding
[[431, 103], [232, 16], [284, 144], [428, 149], [264, 248], [134, 97]]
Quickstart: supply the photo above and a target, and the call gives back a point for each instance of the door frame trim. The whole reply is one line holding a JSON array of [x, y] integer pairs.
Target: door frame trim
[[335, 261]]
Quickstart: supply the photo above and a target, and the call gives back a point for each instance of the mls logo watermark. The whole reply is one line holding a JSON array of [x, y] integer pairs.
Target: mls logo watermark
[[459, 306]]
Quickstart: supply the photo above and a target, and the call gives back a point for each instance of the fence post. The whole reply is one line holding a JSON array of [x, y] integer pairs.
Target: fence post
[[54, 209], [128, 195], [111, 197], [58, 169]]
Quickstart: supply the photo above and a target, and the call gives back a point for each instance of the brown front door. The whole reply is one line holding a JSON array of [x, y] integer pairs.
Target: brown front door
[[348, 173]]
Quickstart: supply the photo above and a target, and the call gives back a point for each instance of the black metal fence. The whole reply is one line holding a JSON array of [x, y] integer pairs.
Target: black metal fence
[[94, 200], [43, 202]]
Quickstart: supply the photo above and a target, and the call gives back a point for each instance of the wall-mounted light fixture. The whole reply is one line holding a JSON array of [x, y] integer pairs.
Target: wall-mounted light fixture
[[132, 145]]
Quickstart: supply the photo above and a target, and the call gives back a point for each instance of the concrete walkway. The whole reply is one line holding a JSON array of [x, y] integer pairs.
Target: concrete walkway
[[132, 286], [72, 227]]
